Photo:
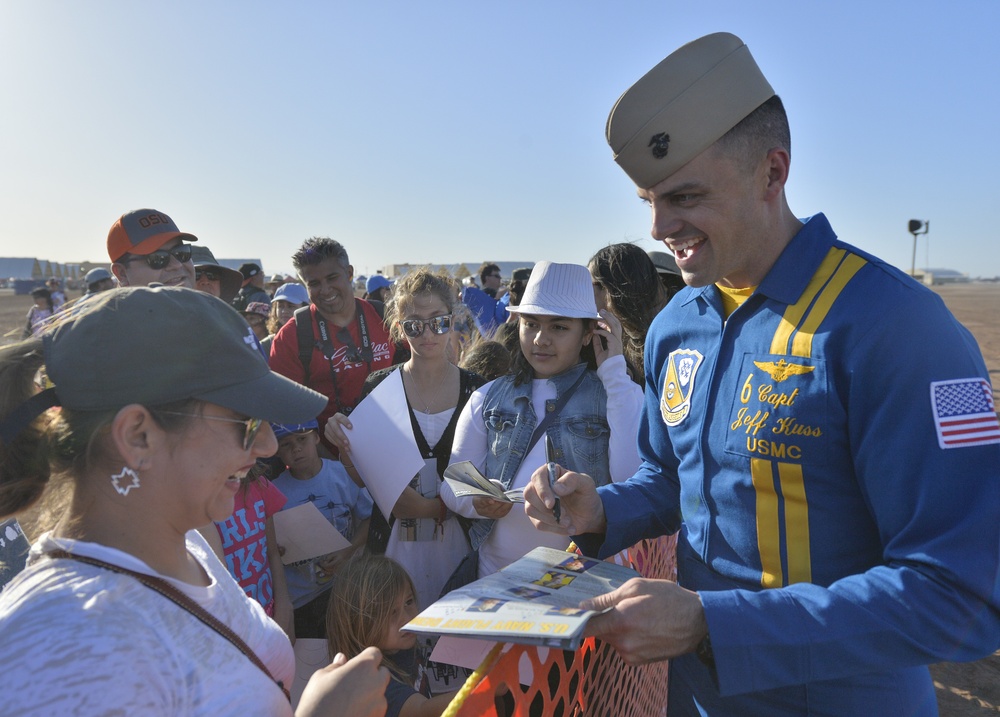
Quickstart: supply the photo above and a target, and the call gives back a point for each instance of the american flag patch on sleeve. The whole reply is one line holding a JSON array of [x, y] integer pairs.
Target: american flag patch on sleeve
[[964, 413]]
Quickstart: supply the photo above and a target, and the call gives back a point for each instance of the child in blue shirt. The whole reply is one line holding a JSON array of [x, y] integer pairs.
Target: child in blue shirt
[[325, 484]]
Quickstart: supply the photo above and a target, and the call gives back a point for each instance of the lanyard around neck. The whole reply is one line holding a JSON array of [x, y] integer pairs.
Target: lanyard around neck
[[354, 354]]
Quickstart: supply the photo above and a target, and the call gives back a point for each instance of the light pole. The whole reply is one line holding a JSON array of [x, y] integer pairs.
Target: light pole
[[915, 226]]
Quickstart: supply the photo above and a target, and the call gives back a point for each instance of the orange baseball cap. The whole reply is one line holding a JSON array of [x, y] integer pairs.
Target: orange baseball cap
[[142, 231]]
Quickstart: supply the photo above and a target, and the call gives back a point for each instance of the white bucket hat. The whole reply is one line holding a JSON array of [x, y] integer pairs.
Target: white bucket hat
[[558, 290]]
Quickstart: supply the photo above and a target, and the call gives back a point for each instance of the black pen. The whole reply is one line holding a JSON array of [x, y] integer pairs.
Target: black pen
[[551, 464]]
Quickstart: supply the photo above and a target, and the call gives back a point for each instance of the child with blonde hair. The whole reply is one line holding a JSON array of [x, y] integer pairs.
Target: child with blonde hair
[[372, 598]]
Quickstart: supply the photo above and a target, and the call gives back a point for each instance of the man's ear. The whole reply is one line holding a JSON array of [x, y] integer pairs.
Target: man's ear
[[777, 165], [118, 269]]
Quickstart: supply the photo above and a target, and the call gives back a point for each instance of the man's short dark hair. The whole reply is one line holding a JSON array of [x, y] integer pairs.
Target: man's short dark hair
[[486, 269], [317, 249], [758, 133]]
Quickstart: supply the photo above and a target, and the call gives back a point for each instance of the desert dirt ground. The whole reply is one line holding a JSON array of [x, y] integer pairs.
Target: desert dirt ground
[[963, 690]]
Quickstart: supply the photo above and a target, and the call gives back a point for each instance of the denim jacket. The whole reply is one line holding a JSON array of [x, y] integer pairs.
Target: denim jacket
[[580, 434]]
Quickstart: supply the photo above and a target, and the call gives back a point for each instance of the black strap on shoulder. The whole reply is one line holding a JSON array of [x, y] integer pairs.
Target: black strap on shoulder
[[306, 338], [468, 382], [379, 526]]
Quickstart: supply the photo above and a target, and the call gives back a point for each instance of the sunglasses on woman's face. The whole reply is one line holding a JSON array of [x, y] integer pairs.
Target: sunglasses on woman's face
[[208, 274], [252, 425], [161, 257], [414, 328]]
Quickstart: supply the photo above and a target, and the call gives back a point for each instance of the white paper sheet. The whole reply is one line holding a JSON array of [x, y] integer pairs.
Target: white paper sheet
[[470, 654], [305, 533], [382, 445]]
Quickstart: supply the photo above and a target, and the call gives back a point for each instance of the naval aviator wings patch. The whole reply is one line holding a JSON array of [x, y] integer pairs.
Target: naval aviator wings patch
[[678, 384], [964, 413]]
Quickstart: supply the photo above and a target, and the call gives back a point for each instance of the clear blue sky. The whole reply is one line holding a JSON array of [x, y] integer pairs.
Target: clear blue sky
[[459, 131]]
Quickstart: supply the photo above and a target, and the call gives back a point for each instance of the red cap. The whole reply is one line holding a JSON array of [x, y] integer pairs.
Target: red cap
[[142, 231]]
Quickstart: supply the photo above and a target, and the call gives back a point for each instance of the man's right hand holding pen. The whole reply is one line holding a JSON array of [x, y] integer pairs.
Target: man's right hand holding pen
[[581, 510]]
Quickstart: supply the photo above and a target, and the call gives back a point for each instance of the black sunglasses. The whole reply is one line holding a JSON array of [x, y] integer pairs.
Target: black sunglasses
[[209, 274], [414, 328], [161, 257]]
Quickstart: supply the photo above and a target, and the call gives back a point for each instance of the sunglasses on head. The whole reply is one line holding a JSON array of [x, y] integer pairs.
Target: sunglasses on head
[[252, 424], [161, 257], [414, 328], [209, 274]]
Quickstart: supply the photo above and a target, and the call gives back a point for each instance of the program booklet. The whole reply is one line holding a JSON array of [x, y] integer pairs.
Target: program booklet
[[465, 479], [533, 601]]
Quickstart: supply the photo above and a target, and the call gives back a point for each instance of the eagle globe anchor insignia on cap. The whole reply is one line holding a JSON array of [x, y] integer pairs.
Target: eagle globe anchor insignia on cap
[[659, 142], [699, 92]]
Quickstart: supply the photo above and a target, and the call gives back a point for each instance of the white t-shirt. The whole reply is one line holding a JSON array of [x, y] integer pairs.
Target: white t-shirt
[[514, 535], [77, 639]]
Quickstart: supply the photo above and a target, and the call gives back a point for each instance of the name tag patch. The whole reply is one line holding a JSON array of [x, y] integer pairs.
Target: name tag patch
[[781, 410]]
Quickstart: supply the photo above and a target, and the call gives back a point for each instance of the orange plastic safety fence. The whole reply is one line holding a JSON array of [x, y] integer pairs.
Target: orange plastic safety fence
[[593, 680]]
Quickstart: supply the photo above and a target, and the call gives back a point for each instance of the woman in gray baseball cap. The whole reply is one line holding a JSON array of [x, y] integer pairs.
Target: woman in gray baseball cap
[[164, 403]]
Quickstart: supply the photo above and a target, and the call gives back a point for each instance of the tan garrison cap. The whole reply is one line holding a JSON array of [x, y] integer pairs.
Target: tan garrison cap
[[683, 105]]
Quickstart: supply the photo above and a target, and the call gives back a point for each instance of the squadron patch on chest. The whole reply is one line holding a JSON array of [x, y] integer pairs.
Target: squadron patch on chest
[[678, 385]]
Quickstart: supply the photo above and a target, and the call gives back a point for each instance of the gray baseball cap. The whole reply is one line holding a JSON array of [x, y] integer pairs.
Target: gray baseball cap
[[159, 345]]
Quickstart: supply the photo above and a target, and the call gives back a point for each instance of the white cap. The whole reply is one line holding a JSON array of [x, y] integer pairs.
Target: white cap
[[558, 290]]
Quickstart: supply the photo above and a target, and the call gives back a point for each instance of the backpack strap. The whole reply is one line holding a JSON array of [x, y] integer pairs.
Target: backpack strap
[[306, 338]]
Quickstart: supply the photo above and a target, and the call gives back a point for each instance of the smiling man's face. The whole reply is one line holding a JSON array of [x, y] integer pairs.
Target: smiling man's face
[[331, 289], [134, 270]]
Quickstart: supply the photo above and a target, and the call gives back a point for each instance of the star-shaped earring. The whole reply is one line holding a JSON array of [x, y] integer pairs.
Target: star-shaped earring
[[133, 483]]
